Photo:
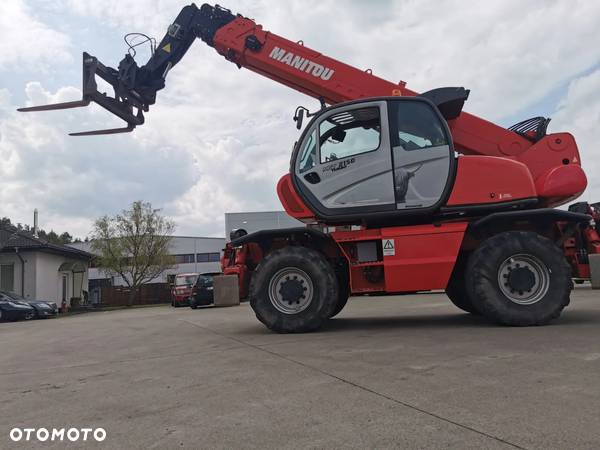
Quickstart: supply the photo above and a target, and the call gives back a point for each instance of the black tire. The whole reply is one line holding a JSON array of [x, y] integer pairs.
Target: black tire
[[309, 272], [29, 315], [193, 304], [535, 263], [343, 291], [456, 289], [341, 301]]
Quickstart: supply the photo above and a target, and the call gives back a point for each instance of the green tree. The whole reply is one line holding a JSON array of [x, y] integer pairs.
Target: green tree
[[133, 245], [65, 238]]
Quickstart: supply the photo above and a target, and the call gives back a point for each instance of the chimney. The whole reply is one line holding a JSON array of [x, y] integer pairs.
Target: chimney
[[35, 222]]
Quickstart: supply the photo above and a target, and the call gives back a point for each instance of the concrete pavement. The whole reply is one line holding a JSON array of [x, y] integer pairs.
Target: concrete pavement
[[407, 371]]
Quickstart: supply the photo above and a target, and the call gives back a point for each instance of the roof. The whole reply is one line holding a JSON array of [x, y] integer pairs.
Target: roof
[[12, 239]]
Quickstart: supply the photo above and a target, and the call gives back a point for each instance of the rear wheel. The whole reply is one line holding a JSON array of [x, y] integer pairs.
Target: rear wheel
[[29, 315], [293, 290], [519, 278], [456, 289]]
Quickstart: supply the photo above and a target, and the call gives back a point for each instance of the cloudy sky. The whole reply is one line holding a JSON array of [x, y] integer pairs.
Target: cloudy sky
[[219, 138]]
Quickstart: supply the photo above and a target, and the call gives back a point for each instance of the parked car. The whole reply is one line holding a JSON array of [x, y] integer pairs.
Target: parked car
[[202, 292], [182, 288], [14, 310], [42, 308]]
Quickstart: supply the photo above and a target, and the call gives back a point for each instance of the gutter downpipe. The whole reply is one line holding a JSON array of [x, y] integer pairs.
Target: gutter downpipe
[[22, 271]]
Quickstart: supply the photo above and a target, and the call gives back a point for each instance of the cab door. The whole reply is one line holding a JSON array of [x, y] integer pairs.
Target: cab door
[[422, 153], [345, 163]]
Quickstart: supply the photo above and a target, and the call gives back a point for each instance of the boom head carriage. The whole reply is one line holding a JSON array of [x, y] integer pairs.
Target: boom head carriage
[[135, 87]]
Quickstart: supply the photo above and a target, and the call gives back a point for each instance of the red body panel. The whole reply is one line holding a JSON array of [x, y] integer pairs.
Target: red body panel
[[291, 201], [561, 182], [423, 257], [484, 179]]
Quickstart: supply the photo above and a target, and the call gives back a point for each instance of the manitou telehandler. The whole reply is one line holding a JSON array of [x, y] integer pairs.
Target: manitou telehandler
[[401, 192]]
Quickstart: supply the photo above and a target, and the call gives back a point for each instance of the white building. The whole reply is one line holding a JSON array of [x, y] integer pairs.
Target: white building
[[192, 254], [37, 269], [260, 220]]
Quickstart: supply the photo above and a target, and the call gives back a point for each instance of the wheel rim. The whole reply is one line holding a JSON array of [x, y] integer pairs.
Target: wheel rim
[[29, 316], [524, 279], [291, 290]]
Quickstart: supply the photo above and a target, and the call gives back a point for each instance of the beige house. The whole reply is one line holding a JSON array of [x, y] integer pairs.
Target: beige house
[[37, 269]]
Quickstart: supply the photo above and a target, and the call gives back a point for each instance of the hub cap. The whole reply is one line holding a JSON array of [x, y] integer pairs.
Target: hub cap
[[524, 279], [290, 290]]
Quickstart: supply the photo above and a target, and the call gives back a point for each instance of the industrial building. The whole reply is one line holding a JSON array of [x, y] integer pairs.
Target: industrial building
[[260, 220]]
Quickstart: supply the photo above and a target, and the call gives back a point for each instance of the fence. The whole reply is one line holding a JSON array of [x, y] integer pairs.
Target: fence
[[146, 295]]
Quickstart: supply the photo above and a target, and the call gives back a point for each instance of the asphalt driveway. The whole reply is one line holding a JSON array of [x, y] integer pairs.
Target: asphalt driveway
[[406, 371]]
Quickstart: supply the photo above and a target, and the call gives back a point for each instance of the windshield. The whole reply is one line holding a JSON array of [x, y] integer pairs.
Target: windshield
[[12, 296], [205, 280], [186, 280]]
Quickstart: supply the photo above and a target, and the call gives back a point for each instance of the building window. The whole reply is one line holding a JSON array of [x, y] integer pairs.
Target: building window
[[7, 277], [184, 259], [208, 257]]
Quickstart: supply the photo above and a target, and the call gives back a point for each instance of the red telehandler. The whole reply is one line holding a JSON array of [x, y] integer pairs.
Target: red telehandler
[[401, 192]]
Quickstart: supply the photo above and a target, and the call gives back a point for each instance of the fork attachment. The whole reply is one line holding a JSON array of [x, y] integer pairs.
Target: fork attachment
[[122, 104]]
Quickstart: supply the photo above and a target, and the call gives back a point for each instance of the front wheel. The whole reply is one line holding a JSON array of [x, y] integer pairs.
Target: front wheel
[[519, 278], [293, 290], [456, 289], [343, 280]]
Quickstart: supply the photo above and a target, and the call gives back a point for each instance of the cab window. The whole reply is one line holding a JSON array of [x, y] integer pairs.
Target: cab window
[[308, 157], [349, 133], [417, 127]]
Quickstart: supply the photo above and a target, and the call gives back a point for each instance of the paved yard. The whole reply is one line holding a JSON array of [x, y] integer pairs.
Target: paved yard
[[408, 371]]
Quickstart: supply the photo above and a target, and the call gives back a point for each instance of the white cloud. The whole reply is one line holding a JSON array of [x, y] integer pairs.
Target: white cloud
[[28, 43]]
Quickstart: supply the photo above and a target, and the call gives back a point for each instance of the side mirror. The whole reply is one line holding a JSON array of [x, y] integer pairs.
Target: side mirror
[[299, 117]]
